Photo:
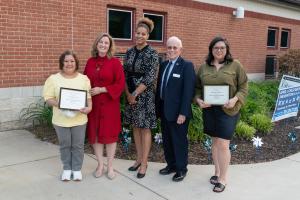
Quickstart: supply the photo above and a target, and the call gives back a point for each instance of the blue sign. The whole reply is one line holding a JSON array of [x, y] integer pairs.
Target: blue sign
[[287, 104]]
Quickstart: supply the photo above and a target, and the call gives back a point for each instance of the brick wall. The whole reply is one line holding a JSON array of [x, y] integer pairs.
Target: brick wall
[[34, 33]]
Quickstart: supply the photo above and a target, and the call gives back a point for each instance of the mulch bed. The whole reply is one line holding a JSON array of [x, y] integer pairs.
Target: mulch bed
[[276, 145]]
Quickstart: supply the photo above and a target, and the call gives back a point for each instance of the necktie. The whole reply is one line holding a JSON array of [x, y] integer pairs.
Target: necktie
[[165, 79]]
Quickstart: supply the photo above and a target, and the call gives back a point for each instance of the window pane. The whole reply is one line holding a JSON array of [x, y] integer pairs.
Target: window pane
[[271, 38], [284, 39], [157, 33], [119, 24]]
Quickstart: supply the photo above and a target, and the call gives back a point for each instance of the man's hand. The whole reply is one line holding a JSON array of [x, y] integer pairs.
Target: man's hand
[[201, 103], [181, 119]]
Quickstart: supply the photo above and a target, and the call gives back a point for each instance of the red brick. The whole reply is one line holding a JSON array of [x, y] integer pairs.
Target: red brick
[[34, 33]]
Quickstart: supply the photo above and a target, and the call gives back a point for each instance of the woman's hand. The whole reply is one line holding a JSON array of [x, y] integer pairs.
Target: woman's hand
[[52, 102], [131, 99], [231, 103], [201, 103], [85, 110], [98, 90]]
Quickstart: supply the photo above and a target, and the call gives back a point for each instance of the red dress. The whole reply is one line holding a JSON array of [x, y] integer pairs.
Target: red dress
[[104, 121]]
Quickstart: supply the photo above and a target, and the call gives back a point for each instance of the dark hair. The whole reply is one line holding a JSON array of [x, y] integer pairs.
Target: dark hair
[[111, 49], [227, 59], [63, 56], [146, 23]]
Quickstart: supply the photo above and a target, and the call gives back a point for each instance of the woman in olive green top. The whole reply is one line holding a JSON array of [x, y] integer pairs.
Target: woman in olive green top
[[220, 120]]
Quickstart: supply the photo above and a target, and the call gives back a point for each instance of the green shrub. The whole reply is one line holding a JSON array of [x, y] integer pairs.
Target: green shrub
[[289, 63], [244, 131], [261, 99], [38, 113], [261, 123], [195, 132], [252, 107], [270, 88]]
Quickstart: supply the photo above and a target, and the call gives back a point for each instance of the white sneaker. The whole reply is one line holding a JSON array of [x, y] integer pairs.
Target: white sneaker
[[77, 176], [66, 175]]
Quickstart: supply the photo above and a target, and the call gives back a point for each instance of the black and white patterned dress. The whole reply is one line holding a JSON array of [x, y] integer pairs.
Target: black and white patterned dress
[[146, 61]]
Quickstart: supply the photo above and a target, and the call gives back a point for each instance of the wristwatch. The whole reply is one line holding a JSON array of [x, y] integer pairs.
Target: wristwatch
[[134, 93]]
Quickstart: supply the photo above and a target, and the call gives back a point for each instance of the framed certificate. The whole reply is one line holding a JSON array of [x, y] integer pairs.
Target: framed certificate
[[216, 94], [72, 99]]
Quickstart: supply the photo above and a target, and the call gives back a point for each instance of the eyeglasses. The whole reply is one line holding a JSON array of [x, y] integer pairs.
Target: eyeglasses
[[219, 48], [172, 47]]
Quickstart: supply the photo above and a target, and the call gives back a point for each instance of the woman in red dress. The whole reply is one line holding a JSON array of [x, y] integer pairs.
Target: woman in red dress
[[104, 121]]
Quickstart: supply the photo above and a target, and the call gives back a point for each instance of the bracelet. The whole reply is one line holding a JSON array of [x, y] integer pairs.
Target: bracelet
[[134, 93]]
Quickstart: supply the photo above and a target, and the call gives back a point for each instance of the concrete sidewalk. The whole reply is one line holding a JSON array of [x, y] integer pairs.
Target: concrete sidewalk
[[30, 169]]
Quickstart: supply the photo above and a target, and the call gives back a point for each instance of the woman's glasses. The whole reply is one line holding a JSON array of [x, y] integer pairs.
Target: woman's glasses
[[219, 48]]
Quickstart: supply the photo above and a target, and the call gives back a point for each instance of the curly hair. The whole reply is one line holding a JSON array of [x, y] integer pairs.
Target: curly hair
[[228, 57], [111, 50], [63, 56], [146, 23]]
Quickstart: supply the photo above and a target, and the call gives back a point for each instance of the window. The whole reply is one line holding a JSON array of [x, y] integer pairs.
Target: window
[[119, 24], [157, 34], [270, 66], [272, 37], [285, 38]]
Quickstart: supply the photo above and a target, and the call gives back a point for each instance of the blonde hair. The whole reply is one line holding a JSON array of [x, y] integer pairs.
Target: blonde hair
[[146, 23], [111, 49]]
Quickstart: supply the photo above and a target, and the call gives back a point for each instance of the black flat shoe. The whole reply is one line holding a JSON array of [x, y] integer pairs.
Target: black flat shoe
[[134, 168], [140, 175], [179, 176], [167, 170]]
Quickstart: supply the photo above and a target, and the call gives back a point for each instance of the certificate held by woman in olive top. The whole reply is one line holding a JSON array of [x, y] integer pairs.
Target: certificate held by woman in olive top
[[72, 99], [216, 94]]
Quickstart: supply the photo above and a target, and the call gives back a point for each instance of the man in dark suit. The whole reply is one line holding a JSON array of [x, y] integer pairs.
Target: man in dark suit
[[175, 90]]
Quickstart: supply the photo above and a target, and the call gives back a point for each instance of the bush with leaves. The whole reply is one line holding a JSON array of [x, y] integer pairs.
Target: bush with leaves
[[244, 130], [261, 99], [289, 63], [261, 122], [270, 91], [195, 131], [38, 113]]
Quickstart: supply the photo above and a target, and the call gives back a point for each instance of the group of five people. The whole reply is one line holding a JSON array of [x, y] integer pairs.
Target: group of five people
[[153, 90]]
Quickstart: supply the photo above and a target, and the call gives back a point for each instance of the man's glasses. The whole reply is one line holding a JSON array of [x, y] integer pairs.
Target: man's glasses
[[172, 47]]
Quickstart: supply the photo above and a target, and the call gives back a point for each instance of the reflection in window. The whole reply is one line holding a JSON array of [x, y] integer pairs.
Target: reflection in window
[[120, 24], [285, 35], [271, 37], [158, 31]]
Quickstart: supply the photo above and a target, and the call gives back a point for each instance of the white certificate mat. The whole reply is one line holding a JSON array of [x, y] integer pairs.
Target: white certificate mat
[[72, 99], [216, 94]]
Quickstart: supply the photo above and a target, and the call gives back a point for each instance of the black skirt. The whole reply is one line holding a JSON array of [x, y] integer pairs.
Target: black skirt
[[218, 124]]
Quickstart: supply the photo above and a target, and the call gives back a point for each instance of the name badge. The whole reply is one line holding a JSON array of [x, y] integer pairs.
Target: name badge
[[176, 75]]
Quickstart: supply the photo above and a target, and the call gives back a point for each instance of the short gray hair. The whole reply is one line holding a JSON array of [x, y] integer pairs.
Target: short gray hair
[[174, 39]]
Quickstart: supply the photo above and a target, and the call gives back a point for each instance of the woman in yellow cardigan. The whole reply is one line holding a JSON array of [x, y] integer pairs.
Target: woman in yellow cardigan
[[69, 125]]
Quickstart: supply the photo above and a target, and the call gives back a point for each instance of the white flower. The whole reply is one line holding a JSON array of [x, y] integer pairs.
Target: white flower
[[158, 138], [125, 130], [128, 140], [257, 141]]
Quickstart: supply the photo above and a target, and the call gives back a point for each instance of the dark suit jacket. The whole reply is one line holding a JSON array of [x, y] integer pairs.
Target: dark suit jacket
[[179, 90]]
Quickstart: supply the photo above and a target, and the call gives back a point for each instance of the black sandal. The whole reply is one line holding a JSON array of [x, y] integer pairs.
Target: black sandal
[[213, 180], [219, 187]]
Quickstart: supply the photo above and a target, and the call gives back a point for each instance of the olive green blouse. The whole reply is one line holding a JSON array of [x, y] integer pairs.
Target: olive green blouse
[[232, 74]]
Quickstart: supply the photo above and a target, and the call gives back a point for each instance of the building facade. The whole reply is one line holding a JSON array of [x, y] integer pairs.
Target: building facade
[[34, 33]]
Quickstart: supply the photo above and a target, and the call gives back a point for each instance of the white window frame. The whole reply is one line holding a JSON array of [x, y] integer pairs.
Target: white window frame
[[288, 38], [163, 26], [276, 37], [121, 10]]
